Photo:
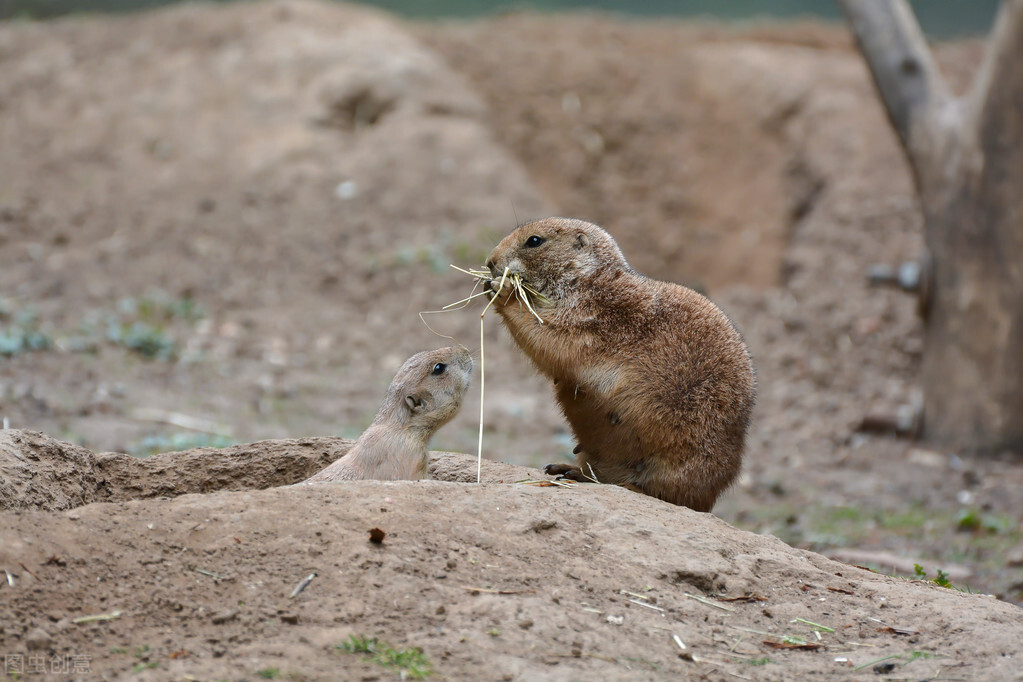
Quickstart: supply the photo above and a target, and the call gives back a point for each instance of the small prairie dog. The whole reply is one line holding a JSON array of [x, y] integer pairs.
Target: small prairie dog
[[425, 394], [656, 383]]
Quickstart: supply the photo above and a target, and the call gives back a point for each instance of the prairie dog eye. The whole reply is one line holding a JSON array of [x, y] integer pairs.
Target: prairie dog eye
[[439, 369], [534, 242]]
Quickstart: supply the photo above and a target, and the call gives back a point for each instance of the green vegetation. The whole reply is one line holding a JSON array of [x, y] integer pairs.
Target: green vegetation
[[145, 325], [151, 445], [940, 579], [141, 324], [20, 332], [433, 256], [974, 520], [144, 338], [942, 536], [446, 250], [268, 673], [759, 661], [141, 652], [410, 663], [913, 655]]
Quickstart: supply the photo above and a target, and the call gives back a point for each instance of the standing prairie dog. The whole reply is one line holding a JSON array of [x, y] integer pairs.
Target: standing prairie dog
[[656, 383], [425, 394]]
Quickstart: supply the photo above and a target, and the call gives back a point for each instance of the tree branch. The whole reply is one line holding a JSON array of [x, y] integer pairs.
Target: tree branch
[[911, 87], [998, 86]]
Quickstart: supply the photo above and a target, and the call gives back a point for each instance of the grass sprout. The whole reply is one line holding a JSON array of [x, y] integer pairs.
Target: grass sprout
[[410, 663]]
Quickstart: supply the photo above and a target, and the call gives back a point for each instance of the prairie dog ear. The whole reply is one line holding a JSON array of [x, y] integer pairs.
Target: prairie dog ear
[[581, 241], [414, 402]]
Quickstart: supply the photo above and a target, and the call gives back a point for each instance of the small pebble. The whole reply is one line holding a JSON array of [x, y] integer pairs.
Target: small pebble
[[38, 640]]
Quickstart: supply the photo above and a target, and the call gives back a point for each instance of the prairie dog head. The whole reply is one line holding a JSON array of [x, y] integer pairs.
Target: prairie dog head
[[427, 391], [554, 254]]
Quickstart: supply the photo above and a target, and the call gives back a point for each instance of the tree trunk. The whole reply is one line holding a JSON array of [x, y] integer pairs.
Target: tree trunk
[[967, 158]]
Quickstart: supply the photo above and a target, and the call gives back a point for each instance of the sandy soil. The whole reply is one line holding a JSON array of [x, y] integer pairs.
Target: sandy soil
[[230, 217]]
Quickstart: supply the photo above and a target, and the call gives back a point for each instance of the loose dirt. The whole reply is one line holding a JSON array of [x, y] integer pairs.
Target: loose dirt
[[500, 580]]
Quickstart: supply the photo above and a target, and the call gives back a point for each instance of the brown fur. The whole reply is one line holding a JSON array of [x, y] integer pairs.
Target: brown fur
[[654, 380], [418, 403]]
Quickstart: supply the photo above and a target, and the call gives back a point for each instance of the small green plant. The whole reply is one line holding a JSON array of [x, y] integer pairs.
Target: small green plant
[[941, 579], [141, 652], [268, 673], [759, 661], [973, 520], [411, 663], [146, 339], [358, 644]]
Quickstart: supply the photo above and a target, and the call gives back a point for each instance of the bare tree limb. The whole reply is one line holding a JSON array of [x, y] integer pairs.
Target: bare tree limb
[[1002, 69], [967, 159], [912, 89]]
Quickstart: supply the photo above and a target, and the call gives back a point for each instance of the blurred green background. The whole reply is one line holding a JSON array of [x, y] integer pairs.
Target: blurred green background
[[939, 18]]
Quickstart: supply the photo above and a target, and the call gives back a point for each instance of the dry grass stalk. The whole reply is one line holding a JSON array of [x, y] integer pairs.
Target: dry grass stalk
[[479, 447], [815, 626], [304, 583], [708, 602], [523, 292], [488, 590], [755, 632], [546, 483], [180, 420], [97, 618], [649, 606], [210, 574], [634, 594]]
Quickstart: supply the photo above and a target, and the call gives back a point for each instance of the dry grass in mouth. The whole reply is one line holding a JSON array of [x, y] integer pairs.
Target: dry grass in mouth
[[521, 291]]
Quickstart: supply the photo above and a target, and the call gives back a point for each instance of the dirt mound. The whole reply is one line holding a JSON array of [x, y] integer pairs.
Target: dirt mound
[[39, 472], [201, 585]]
